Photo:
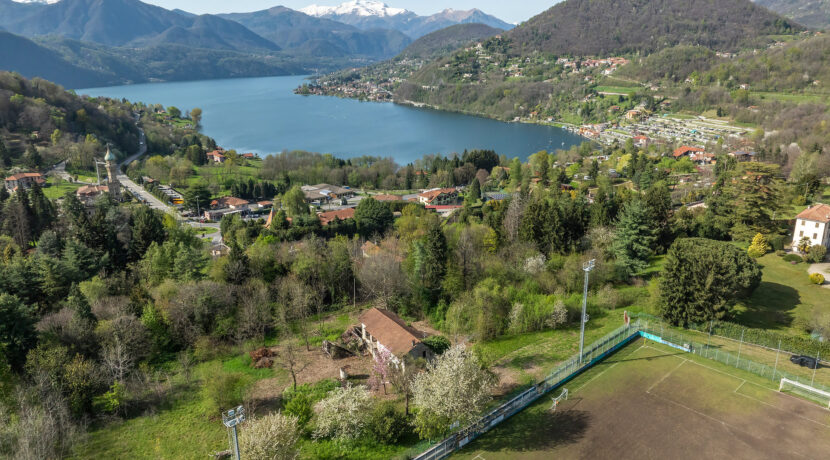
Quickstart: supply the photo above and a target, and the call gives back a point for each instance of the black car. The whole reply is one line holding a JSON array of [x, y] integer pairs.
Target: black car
[[804, 361]]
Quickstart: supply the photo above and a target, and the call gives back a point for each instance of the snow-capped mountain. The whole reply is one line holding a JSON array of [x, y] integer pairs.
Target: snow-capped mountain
[[370, 14], [355, 8], [42, 2]]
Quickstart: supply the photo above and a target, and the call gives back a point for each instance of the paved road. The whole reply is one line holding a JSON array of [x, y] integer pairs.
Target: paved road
[[150, 200]]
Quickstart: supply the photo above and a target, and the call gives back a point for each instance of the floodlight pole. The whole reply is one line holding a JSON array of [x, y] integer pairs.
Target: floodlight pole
[[231, 419], [583, 319]]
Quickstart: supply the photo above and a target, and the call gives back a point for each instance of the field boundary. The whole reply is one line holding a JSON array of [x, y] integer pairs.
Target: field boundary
[[593, 354]]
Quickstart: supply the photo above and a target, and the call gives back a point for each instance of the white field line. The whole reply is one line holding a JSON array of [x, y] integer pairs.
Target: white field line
[[743, 381], [667, 375], [596, 376], [716, 420]]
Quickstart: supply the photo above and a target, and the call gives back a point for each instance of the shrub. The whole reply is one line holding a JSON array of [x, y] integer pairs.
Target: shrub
[[341, 416], [437, 343], [388, 424], [301, 407], [273, 437], [793, 258], [780, 253], [817, 278], [759, 246], [816, 253], [224, 390]]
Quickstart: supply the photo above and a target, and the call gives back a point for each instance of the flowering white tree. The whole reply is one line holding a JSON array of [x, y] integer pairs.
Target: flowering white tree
[[454, 388], [344, 414], [273, 437]]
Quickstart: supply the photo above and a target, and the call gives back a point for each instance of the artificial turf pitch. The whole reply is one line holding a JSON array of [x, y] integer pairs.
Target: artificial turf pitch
[[651, 401]]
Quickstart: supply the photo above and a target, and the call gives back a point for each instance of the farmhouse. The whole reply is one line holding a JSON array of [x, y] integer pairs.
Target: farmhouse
[[382, 329], [229, 202], [216, 156], [24, 180], [813, 223]]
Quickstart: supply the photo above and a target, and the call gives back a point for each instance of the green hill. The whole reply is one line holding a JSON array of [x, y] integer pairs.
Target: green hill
[[446, 40], [597, 27]]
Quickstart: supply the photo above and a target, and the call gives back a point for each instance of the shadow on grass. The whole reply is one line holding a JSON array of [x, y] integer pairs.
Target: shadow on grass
[[770, 306], [537, 430]]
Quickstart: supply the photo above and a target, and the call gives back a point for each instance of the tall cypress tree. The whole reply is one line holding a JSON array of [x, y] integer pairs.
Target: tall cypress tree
[[5, 156]]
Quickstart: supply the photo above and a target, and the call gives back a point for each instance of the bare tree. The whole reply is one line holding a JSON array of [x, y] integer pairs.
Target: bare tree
[[117, 360], [291, 361], [381, 275], [254, 312], [300, 299], [403, 374], [513, 217], [186, 362]]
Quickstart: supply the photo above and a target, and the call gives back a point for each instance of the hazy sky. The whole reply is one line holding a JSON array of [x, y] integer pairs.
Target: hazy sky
[[510, 11]]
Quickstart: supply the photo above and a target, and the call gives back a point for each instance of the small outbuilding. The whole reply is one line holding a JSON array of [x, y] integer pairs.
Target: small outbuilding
[[382, 329]]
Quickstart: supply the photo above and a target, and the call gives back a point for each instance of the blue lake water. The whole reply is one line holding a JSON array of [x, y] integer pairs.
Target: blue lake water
[[263, 115]]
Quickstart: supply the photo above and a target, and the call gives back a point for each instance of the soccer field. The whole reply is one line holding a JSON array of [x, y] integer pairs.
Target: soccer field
[[652, 401]]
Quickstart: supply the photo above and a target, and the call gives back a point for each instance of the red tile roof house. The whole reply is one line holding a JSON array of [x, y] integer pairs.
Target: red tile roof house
[[229, 202], [330, 216], [24, 180], [216, 156], [686, 150], [439, 197], [382, 329], [813, 223]]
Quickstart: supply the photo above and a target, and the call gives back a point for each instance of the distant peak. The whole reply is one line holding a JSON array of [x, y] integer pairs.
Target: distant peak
[[354, 7], [42, 2]]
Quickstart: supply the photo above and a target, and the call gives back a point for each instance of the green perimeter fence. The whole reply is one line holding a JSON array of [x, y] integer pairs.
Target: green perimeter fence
[[648, 327], [683, 340], [594, 353]]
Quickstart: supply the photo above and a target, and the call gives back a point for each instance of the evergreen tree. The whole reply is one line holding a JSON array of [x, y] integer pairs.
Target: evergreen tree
[[17, 218], [43, 211], [17, 330], [237, 267], [5, 155], [432, 261], [77, 302], [635, 237], [702, 279], [474, 195], [372, 217], [33, 159], [147, 228]]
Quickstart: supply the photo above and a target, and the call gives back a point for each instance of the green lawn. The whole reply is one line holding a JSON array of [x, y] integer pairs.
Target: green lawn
[[56, 190], [616, 89], [798, 98], [785, 299]]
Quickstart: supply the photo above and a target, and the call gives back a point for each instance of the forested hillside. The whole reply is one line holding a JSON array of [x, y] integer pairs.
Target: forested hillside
[[601, 27], [448, 39]]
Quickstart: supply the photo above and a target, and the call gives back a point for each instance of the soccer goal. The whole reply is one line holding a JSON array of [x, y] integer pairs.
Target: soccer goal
[[555, 401], [806, 391]]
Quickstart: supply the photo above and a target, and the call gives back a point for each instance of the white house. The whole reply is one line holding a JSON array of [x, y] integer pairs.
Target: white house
[[813, 223]]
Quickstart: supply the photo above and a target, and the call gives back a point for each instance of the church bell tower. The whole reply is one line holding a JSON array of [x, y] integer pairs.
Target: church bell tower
[[112, 181]]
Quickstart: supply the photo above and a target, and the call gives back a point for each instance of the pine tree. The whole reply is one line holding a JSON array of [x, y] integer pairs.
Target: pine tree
[[5, 156], [635, 237], [76, 301], [433, 260], [475, 191]]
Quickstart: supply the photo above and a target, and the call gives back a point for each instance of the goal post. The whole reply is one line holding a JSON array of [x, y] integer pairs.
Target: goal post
[[805, 390], [555, 400]]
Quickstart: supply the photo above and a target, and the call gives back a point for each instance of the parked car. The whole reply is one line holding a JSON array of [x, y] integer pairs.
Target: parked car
[[805, 361]]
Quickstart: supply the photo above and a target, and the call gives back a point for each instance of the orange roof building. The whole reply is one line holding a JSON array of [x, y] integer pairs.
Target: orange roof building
[[383, 330], [686, 150], [813, 224], [330, 216], [24, 180]]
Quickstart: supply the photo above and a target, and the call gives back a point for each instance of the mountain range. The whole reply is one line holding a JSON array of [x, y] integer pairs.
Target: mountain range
[[118, 41], [811, 13], [369, 14]]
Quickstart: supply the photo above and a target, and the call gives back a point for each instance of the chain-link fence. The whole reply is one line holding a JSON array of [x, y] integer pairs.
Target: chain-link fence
[[562, 374]]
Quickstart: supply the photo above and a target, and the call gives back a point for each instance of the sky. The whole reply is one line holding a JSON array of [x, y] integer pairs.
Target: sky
[[511, 11]]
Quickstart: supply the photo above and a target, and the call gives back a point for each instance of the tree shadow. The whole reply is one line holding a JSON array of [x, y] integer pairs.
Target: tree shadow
[[771, 305], [538, 429]]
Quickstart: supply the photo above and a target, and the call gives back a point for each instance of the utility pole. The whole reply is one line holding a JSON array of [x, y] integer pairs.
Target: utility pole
[[231, 419], [584, 318]]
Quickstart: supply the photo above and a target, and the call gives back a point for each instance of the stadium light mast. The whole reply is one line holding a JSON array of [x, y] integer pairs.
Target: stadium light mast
[[231, 419], [587, 267]]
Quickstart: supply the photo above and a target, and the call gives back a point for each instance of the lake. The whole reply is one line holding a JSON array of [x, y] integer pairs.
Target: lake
[[263, 115]]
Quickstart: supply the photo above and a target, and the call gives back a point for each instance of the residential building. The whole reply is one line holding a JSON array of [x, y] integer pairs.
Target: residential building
[[216, 156], [743, 155], [24, 180], [330, 216], [88, 193], [439, 197], [229, 202], [388, 197], [813, 223], [686, 150], [383, 330]]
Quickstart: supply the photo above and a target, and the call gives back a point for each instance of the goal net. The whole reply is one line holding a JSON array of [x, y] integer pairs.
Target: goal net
[[555, 401], [805, 391]]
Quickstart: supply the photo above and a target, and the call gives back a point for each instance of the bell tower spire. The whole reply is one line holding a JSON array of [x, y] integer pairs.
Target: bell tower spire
[[112, 181]]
